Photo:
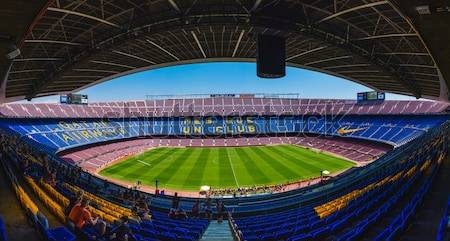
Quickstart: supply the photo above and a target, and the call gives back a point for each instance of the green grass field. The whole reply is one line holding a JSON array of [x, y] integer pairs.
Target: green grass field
[[191, 167]]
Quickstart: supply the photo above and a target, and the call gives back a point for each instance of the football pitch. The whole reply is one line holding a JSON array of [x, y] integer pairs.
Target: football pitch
[[186, 169]]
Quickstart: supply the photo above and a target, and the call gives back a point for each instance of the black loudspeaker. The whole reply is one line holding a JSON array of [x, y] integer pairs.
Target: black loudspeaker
[[271, 59]]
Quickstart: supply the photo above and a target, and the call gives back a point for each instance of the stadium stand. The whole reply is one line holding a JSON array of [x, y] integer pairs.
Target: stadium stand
[[56, 135], [2, 230], [330, 219], [376, 200], [36, 217], [222, 106]]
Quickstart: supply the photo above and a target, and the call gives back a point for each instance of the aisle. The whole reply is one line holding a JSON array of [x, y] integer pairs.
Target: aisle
[[218, 231]]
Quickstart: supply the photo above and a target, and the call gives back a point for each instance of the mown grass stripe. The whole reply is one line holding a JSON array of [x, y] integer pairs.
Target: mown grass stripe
[[301, 164], [327, 159], [251, 166], [195, 177], [167, 173], [124, 164], [226, 177], [278, 166], [136, 173]]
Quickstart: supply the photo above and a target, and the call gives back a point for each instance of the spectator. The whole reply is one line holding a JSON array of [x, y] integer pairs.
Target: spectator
[[207, 209], [123, 232], [141, 209], [75, 200], [80, 215], [195, 209], [181, 214], [175, 201], [220, 211]]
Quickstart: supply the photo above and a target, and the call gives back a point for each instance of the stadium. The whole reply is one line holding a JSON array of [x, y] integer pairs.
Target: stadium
[[224, 166]]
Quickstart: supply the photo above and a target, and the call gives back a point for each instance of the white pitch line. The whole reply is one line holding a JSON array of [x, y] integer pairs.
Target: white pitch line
[[145, 163], [232, 169]]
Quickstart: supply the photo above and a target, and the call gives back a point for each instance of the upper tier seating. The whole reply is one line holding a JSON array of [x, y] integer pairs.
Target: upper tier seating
[[224, 106], [54, 135]]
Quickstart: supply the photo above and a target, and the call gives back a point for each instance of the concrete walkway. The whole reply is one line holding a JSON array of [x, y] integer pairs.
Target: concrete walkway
[[218, 231]]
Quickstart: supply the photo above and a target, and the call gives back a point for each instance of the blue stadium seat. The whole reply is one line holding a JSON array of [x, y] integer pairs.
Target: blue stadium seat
[[2, 230]]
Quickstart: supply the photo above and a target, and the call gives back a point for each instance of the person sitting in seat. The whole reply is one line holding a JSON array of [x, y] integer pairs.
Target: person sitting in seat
[[141, 209], [195, 209], [172, 213], [123, 232], [180, 213], [81, 217], [74, 200]]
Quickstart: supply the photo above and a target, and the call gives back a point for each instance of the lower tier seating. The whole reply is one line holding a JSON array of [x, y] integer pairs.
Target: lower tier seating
[[36, 217], [2, 230], [359, 208], [444, 225]]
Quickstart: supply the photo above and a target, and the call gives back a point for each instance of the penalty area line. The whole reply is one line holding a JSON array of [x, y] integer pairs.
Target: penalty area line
[[145, 163]]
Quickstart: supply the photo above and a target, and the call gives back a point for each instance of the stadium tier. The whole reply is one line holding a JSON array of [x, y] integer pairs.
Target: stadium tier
[[220, 106], [381, 159], [56, 134]]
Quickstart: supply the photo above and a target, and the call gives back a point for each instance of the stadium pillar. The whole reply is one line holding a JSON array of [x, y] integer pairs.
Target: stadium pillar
[[443, 95], [4, 72]]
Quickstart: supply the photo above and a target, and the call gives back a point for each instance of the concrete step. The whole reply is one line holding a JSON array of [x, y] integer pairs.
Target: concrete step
[[218, 231]]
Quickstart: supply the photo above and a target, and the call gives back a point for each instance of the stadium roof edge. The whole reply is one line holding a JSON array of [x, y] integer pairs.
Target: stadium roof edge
[[384, 45]]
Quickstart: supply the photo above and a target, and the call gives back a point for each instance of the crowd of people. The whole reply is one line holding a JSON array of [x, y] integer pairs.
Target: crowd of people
[[260, 189], [78, 215], [246, 191]]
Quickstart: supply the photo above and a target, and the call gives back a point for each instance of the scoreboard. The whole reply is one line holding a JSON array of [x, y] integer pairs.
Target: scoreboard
[[371, 96], [75, 99]]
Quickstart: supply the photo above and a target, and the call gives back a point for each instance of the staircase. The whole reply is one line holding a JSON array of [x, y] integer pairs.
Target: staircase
[[218, 231]]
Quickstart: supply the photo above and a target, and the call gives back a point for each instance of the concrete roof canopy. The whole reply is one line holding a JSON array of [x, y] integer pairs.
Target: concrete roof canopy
[[68, 45]]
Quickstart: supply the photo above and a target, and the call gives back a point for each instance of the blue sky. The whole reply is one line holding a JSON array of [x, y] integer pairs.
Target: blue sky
[[224, 78]]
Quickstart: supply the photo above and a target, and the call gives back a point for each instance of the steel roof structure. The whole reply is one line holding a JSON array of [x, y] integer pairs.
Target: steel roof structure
[[68, 45]]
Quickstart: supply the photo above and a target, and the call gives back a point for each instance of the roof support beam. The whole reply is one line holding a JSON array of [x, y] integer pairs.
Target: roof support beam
[[238, 43], [256, 5], [133, 56], [51, 42], [347, 66], [418, 66], [404, 53], [82, 15], [174, 5], [96, 70], [306, 52], [329, 59], [388, 36], [112, 64], [368, 5], [27, 71], [163, 49], [36, 59], [198, 43]]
